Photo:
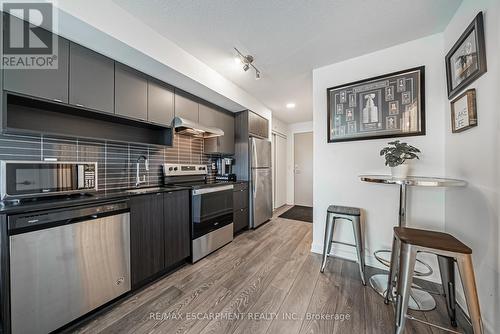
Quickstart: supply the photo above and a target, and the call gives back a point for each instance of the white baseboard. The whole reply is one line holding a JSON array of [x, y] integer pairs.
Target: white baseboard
[[348, 253]]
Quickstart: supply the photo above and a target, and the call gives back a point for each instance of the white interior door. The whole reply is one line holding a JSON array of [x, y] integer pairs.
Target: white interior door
[[279, 166], [303, 168]]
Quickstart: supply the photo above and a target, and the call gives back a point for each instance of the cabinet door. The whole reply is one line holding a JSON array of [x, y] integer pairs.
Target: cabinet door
[[131, 93], [177, 226], [147, 246], [240, 199], [50, 84], [160, 103], [186, 108], [209, 117], [257, 125], [240, 220], [91, 79], [226, 142], [223, 121]]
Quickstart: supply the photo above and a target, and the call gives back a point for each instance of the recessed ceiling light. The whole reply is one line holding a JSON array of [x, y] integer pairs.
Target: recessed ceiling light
[[290, 105]]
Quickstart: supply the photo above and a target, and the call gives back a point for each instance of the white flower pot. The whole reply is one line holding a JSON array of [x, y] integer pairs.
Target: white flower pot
[[401, 171]]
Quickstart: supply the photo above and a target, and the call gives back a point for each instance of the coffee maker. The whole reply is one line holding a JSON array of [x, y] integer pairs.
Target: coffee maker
[[225, 169]]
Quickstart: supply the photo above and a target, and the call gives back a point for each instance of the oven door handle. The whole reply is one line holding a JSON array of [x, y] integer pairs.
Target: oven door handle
[[212, 189]]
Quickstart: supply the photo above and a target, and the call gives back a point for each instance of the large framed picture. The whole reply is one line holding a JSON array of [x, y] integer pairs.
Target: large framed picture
[[390, 105], [463, 111], [466, 61]]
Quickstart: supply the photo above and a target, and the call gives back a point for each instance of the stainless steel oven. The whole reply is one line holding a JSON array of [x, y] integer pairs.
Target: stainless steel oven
[[212, 218], [211, 207], [22, 179]]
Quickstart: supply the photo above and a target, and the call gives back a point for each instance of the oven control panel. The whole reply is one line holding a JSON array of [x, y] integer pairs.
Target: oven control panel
[[184, 169]]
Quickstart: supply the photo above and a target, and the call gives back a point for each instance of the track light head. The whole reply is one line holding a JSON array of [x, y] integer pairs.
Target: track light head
[[247, 62]]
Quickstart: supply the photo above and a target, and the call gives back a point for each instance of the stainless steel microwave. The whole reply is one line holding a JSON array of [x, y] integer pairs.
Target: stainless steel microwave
[[31, 179]]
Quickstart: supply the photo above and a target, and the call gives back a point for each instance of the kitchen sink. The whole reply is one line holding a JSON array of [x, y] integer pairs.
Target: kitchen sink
[[144, 190]]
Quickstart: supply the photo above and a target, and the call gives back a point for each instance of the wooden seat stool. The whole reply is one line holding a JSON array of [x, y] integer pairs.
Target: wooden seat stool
[[406, 244], [335, 212]]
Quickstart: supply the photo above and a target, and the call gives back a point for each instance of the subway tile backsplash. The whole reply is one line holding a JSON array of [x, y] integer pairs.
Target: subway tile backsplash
[[116, 160]]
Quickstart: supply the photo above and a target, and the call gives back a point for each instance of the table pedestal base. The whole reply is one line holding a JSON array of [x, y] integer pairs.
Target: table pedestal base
[[419, 300]]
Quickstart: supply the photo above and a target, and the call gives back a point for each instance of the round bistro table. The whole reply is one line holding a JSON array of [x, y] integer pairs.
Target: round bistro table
[[420, 300]]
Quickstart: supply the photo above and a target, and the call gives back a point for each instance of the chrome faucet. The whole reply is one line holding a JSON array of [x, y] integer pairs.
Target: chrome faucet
[[138, 181]]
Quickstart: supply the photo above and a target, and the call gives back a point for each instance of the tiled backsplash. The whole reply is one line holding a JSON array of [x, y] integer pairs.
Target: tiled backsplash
[[116, 160]]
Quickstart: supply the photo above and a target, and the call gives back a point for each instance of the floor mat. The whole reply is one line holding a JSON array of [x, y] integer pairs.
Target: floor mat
[[299, 212]]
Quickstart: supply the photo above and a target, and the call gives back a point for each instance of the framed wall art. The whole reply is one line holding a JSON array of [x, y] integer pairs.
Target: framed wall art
[[391, 105], [466, 61], [463, 111]]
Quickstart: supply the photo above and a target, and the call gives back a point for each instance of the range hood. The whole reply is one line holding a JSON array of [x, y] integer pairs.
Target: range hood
[[188, 127]]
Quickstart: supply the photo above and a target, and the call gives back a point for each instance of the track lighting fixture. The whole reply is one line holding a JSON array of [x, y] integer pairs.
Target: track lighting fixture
[[247, 62]]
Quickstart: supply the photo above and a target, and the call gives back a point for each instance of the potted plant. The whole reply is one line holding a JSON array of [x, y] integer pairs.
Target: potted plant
[[396, 156]]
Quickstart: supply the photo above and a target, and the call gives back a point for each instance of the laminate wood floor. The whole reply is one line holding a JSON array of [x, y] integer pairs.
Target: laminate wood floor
[[265, 281]]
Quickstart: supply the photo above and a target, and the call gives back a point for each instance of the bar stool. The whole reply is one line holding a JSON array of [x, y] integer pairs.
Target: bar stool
[[407, 243], [335, 212]]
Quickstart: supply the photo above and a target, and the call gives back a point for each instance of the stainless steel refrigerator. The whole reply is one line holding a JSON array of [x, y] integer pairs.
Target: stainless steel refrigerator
[[261, 206]]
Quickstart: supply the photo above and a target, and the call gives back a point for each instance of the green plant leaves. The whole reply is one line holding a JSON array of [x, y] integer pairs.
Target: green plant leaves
[[397, 153]]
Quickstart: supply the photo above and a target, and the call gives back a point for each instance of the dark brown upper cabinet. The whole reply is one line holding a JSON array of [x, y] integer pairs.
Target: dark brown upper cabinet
[[160, 103], [257, 125], [215, 118], [131, 93], [186, 108], [91, 79], [49, 84]]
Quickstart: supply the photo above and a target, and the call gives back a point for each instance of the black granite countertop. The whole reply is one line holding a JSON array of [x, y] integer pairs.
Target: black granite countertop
[[7, 207]]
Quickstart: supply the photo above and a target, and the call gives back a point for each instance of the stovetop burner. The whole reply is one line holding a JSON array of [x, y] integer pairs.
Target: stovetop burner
[[198, 185], [188, 175]]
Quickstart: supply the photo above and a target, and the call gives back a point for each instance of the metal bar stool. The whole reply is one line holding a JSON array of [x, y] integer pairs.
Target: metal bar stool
[[407, 243], [335, 212]]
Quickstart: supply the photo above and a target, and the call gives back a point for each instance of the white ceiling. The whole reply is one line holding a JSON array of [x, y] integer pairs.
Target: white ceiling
[[288, 38]]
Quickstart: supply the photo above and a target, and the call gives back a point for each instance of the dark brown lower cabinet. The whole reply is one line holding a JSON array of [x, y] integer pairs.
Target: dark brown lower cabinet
[[177, 223], [240, 219], [159, 233], [146, 237], [240, 206]]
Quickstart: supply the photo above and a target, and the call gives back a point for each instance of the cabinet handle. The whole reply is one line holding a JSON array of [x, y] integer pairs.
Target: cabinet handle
[[158, 194], [58, 100], [79, 105]]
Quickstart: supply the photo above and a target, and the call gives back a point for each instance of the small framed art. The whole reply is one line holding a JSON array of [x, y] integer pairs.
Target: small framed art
[[466, 61], [463, 111]]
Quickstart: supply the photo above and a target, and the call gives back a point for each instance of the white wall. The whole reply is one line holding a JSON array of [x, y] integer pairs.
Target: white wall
[[337, 165], [472, 214], [293, 129], [279, 128]]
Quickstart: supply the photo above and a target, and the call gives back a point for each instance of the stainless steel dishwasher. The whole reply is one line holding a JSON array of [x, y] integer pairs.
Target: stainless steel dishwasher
[[65, 263]]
